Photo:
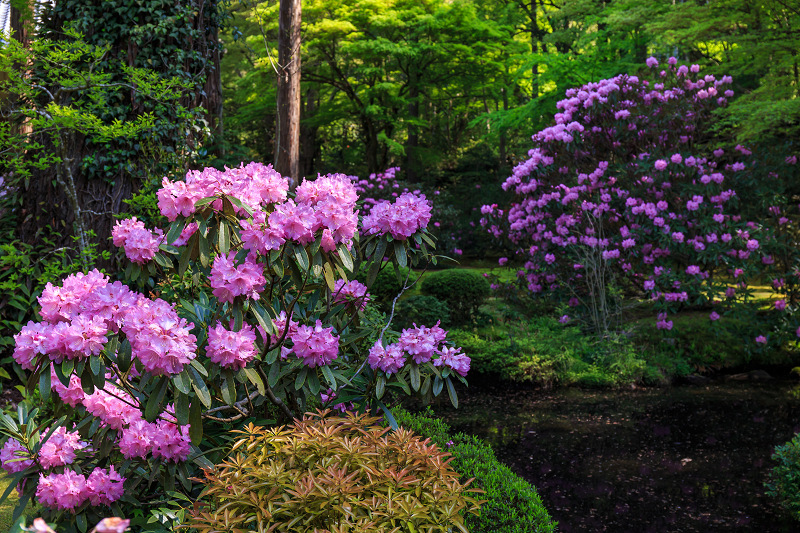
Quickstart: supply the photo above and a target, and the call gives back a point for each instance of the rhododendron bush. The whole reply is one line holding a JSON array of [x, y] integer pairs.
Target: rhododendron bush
[[622, 193], [246, 300]]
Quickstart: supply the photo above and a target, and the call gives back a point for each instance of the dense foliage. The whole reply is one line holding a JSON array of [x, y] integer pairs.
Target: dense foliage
[[246, 311], [784, 482], [462, 290], [511, 504], [621, 195], [337, 474]]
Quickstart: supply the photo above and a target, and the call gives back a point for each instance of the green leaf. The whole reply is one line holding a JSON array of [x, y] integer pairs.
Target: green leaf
[[380, 250], [228, 387], [262, 317], [274, 374], [205, 201], [345, 257], [388, 414], [380, 386], [224, 237], [156, 401], [313, 383], [438, 385], [196, 422], [200, 387], [328, 274], [95, 364], [400, 254], [162, 261], [254, 378], [403, 384], [44, 384], [182, 409], [329, 377], [301, 258], [451, 391], [205, 253], [182, 381], [175, 230], [300, 380], [413, 373]]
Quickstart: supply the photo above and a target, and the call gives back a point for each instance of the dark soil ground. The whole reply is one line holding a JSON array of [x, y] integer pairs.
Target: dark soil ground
[[675, 459]]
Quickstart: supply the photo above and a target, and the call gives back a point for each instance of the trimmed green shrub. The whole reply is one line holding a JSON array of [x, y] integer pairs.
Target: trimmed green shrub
[[421, 309], [511, 504], [463, 291], [784, 482]]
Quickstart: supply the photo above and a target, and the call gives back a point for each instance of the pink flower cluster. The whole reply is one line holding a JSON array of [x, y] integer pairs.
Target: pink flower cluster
[[253, 184], [81, 314], [421, 343], [118, 410], [231, 349], [351, 292], [402, 219], [140, 244], [230, 280], [316, 346], [68, 490], [15, 457], [648, 204]]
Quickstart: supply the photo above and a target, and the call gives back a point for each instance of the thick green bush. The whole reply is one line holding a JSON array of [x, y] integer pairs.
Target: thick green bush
[[387, 285], [420, 309], [463, 291], [511, 505], [784, 481]]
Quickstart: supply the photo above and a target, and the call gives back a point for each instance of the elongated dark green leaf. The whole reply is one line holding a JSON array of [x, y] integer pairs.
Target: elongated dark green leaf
[[300, 380], [262, 317], [438, 385], [182, 381], [274, 374], [380, 250], [205, 201], [196, 422], [124, 356], [313, 383], [95, 363], [183, 262], [329, 377], [301, 257], [400, 254], [413, 373], [162, 261], [451, 391], [345, 257], [205, 253], [200, 387], [228, 387], [224, 237], [388, 415], [403, 384], [156, 401], [44, 384], [254, 378], [380, 386], [175, 230], [182, 409], [67, 366]]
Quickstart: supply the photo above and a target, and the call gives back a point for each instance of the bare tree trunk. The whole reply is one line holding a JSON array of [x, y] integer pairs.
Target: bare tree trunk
[[287, 145]]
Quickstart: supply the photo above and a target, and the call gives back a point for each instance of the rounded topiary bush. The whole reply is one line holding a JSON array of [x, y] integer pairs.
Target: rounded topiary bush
[[333, 473], [463, 291], [784, 482], [511, 504], [421, 309]]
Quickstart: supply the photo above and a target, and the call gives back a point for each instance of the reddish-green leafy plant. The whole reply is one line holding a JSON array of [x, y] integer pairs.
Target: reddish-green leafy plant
[[334, 473]]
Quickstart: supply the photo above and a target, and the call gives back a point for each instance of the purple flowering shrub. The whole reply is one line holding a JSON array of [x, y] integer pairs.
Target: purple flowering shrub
[[248, 300], [620, 194]]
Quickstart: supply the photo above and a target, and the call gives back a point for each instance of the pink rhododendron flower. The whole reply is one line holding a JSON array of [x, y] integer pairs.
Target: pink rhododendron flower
[[13, 456], [780, 305], [316, 346], [403, 218], [104, 487], [390, 359], [63, 491], [230, 280], [231, 349], [761, 339], [60, 448], [352, 292], [140, 244], [714, 316], [453, 358]]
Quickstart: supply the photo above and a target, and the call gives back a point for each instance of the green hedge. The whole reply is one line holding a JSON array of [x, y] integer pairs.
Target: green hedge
[[784, 482], [463, 291], [512, 504]]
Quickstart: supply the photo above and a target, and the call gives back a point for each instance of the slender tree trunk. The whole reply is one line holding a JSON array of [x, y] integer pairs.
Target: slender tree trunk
[[287, 138], [309, 147], [413, 134]]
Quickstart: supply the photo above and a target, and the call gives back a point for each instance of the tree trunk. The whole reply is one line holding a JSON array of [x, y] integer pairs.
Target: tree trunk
[[309, 147], [413, 133], [287, 144]]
